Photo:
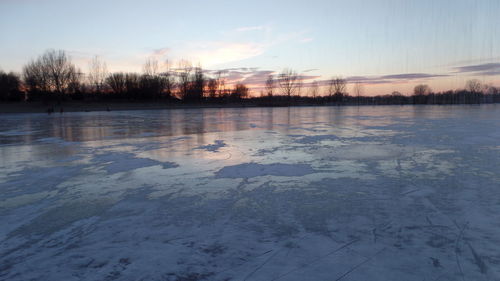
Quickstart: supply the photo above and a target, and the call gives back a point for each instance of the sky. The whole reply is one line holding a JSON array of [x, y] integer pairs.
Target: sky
[[386, 45]]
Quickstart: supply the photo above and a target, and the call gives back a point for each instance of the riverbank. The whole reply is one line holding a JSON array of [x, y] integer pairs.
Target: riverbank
[[40, 107], [78, 106]]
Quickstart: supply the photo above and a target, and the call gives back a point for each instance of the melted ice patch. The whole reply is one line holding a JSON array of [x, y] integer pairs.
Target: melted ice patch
[[250, 170], [213, 147], [123, 162], [369, 152]]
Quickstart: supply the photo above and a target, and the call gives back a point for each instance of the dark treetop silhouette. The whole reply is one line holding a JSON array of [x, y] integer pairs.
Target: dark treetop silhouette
[[53, 77]]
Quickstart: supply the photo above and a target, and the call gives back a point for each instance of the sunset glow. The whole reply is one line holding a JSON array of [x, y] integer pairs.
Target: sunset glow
[[440, 43]]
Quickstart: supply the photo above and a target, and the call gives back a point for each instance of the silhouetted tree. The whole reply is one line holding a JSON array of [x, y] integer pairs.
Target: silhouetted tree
[[98, 71], [270, 85], [358, 91], [197, 85], [314, 89], [151, 67], [51, 72], [420, 93], [240, 91], [132, 85], [397, 98], [221, 83], [421, 90], [288, 82], [337, 86], [300, 84], [117, 83], [9, 87], [150, 86], [152, 83], [212, 87], [75, 84], [36, 77], [184, 73], [473, 86], [168, 80]]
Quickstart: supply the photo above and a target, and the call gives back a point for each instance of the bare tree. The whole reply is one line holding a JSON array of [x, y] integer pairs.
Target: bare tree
[[358, 90], [9, 87], [270, 85], [98, 71], [240, 91], [153, 83], [212, 87], [198, 84], [474, 86], [75, 82], [184, 71], [51, 72], [221, 83], [300, 84], [132, 84], [168, 78], [36, 77], [151, 67], [288, 81], [422, 90], [337, 86], [117, 82], [314, 89], [60, 70], [491, 90]]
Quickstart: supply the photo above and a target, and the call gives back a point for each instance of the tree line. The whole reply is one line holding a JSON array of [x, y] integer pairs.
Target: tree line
[[53, 77]]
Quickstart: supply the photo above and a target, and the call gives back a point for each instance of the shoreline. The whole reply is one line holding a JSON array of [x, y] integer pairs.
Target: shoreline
[[40, 107]]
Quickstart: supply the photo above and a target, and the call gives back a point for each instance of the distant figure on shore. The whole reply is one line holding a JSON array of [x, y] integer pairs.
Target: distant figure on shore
[[50, 110], [107, 108], [61, 111]]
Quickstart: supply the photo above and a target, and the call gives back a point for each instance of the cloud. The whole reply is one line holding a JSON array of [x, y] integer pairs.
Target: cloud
[[490, 73], [487, 69], [161, 52], [212, 53], [385, 79], [258, 77], [250, 76], [394, 78], [229, 49], [412, 76], [255, 78]]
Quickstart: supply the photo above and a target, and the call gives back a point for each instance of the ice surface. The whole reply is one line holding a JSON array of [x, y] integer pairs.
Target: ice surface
[[250, 170], [213, 147], [312, 193]]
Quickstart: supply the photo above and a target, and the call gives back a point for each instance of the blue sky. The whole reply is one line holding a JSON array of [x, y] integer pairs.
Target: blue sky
[[386, 44]]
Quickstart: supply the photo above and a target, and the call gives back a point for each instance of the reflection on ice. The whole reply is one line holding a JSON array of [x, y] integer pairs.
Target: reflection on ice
[[403, 193]]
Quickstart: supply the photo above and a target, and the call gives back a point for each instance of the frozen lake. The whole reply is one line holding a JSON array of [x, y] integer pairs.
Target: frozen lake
[[313, 193]]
